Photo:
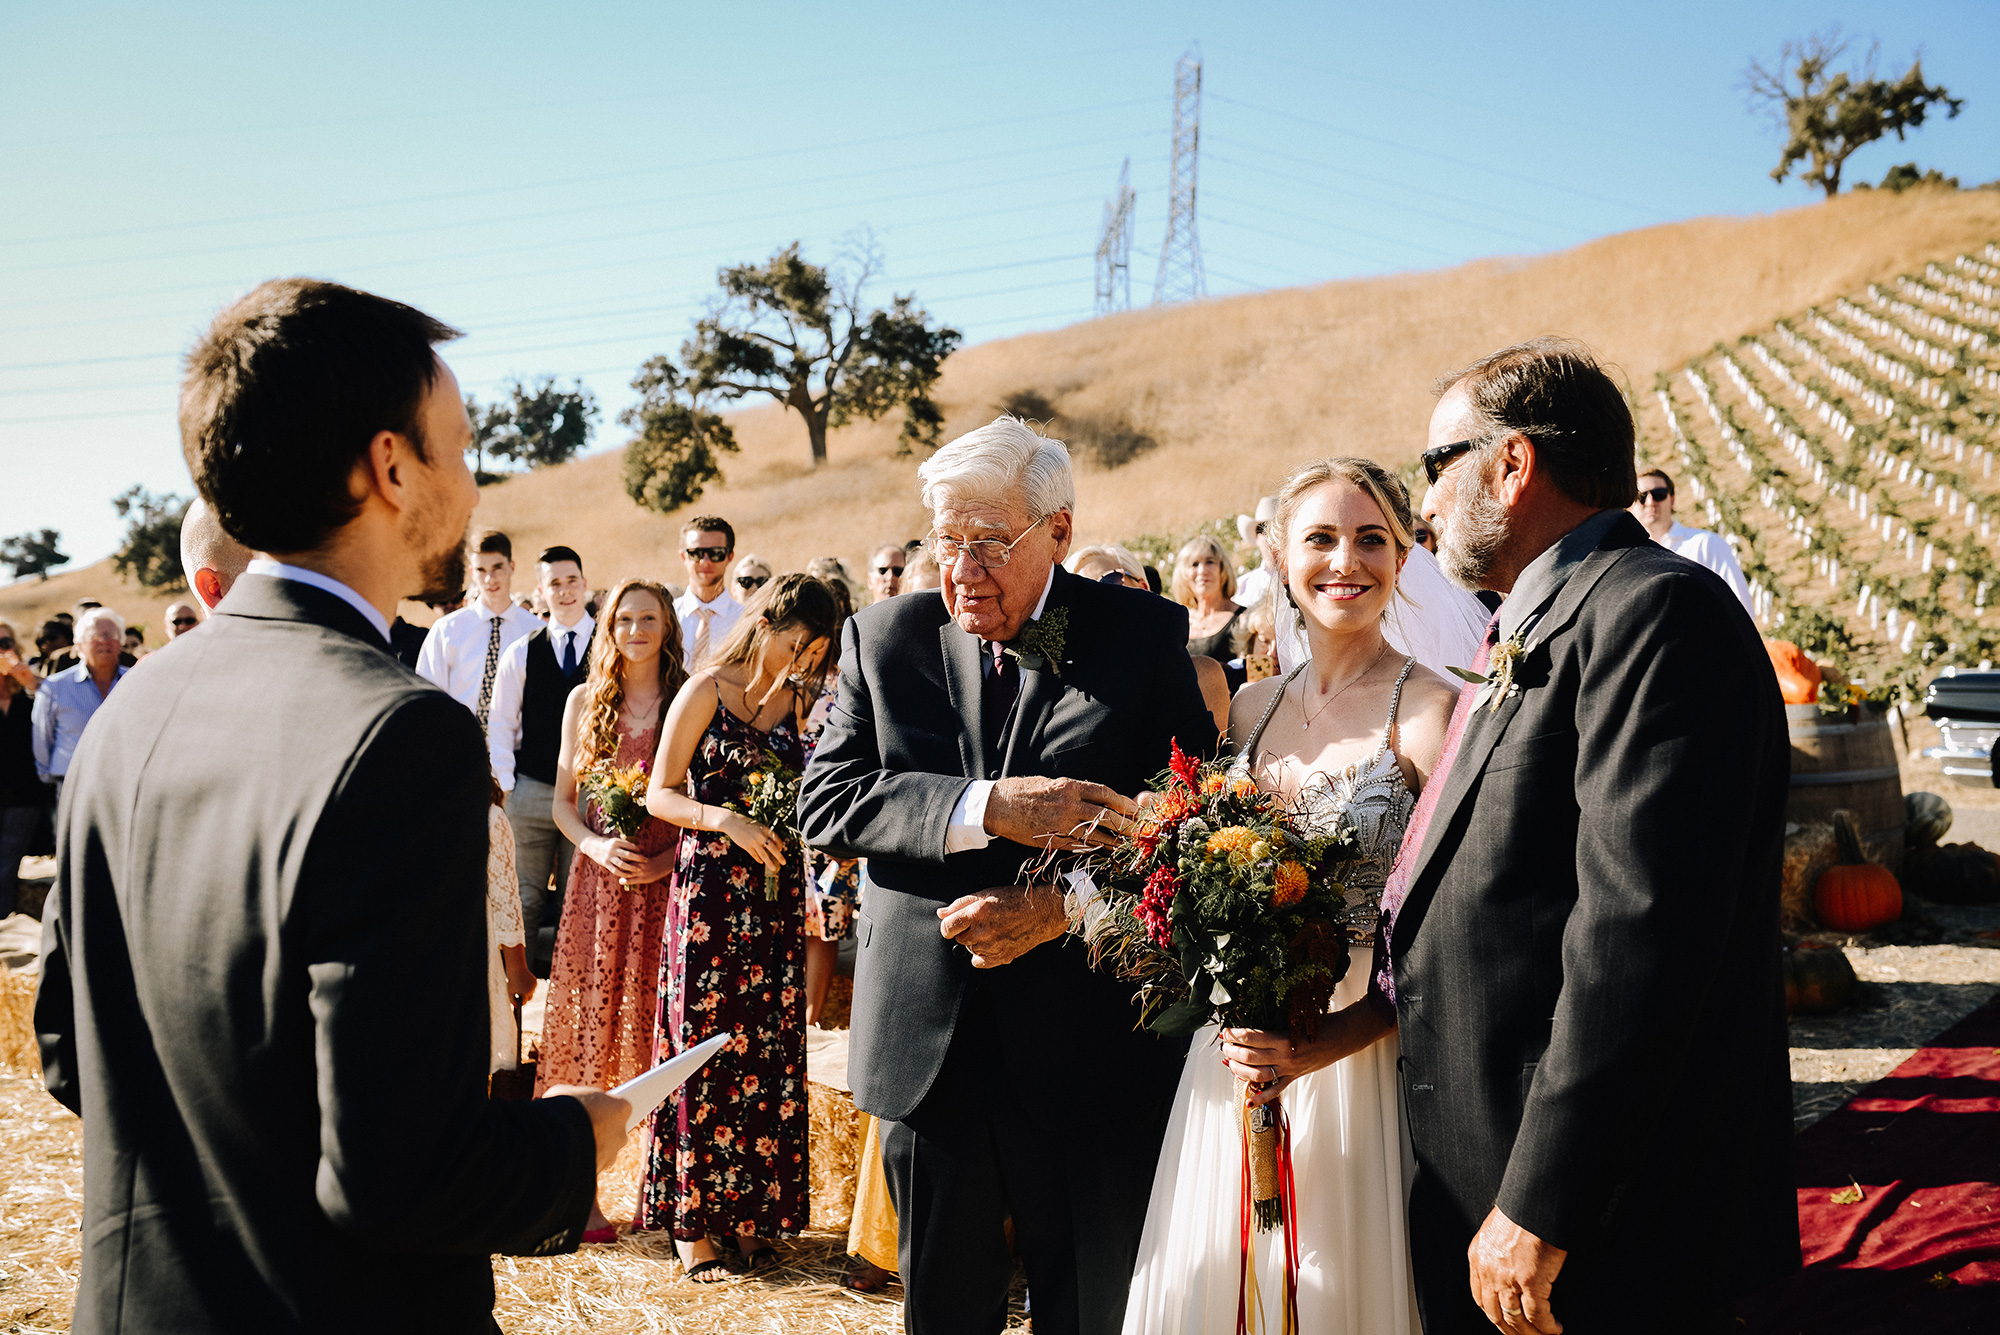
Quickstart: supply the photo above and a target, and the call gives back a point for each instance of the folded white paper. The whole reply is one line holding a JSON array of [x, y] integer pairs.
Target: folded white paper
[[649, 1091]]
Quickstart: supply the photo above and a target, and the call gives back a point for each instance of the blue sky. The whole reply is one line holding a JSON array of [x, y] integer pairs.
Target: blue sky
[[563, 183]]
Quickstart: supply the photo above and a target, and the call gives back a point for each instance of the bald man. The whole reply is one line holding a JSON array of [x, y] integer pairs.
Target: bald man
[[211, 558], [181, 618]]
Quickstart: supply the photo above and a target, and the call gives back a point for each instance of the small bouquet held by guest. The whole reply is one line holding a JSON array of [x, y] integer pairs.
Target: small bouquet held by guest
[[771, 798], [620, 797], [1220, 908]]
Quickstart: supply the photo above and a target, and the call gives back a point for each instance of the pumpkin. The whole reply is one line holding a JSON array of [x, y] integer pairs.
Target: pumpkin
[[1798, 675], [1817, 979], [1854, 895], [1926, 817]]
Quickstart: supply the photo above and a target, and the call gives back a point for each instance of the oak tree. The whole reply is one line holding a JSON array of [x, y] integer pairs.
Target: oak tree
[[150, 555], [34, 553], [1827, 114]]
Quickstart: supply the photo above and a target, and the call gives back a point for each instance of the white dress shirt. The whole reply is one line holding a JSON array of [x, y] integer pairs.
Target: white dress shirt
[[454, 653], [63, 706], [967, 828], [1712, 550], [264, 565], [723, 613], [510, 683]]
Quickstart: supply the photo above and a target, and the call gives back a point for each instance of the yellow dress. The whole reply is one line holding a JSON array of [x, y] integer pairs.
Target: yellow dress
[[871, 1232]]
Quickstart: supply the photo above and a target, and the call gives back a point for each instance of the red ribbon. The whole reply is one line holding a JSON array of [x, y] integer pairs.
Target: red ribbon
[[1288, 1214]]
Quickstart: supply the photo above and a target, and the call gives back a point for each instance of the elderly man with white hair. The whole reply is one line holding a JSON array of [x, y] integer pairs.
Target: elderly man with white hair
[[971, 733], [66, 701]]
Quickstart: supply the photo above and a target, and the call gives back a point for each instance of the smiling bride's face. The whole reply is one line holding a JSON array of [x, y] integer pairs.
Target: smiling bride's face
[[1340, 557]]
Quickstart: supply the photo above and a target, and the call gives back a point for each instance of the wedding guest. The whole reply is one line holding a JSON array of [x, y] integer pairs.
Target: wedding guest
[[23, 796], [210, 557], [54, 648], [749, 574], [1205, 584], [1655, 512], [833, 887], [463, 651], [509, 981], [603, 1003], [834, 572], [263, 988], [727, 1156], [1577, 983], [181, 618], [67, 701], [1108, 563], [135, 643], [524, 733], [885, 571], [920, 572], [1256, 642], [1256, 584], [707, 613]]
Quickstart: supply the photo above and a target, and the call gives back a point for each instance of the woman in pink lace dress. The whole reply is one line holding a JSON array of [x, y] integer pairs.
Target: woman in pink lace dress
[[603, 982]]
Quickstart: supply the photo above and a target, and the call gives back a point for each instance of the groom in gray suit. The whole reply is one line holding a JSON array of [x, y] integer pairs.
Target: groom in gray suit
[[264, 976], [974, 729]]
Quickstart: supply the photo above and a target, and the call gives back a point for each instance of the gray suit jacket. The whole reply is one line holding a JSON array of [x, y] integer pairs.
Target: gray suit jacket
[[901, 744], [264, 990], [1591, 1017]]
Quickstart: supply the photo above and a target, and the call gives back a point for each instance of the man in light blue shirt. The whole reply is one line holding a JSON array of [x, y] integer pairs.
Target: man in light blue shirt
[[66, 700]]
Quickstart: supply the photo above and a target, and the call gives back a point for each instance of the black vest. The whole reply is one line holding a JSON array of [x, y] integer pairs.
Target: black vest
[[543, 696]]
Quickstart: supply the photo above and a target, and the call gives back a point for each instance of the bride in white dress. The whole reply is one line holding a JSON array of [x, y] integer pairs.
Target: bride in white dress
[[1350, 734]]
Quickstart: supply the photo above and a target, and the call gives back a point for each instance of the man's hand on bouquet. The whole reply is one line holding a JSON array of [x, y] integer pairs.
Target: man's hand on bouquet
[[607, 1118], [1000, 925], [1058, 813], [1512, 1274], [759, 841]]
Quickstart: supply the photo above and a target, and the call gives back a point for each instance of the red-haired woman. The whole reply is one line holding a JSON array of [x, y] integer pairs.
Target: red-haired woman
[[603, 982]]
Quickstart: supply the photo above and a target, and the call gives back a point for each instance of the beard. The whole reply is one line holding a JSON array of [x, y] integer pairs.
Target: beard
[[442, 572], [1476, 527]]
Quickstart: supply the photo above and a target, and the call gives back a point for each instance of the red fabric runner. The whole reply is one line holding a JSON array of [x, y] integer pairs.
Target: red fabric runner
[[1919, 1254]]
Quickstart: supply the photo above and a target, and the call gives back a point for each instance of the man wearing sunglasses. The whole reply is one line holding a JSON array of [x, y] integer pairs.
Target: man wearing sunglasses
[[1655, 512], [885, 571], [706, 611]]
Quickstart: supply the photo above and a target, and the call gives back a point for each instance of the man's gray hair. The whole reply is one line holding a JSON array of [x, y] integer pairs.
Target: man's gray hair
[[95, 615], [1006, 461]]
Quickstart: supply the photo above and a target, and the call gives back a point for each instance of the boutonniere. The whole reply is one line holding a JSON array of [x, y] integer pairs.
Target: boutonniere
[[1498, 683], [1041, 642]]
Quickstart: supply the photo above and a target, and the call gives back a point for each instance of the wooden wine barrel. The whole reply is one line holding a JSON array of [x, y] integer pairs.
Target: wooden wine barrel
[[1847, 762]]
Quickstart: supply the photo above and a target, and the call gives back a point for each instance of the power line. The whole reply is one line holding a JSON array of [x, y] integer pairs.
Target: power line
[[1180, 277], [1114, 248]]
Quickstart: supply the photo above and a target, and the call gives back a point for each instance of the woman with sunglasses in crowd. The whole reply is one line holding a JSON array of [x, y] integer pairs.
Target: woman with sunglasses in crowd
[[750, 573]]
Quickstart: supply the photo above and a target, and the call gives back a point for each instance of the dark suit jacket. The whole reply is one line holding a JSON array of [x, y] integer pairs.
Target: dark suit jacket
[[901, 744], [264, 990], [1592, 1020]]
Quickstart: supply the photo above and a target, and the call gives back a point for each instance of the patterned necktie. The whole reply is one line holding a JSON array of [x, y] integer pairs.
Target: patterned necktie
[[1003, 688], [1397, 887], [569, 653], [492, 663], [698, 655]]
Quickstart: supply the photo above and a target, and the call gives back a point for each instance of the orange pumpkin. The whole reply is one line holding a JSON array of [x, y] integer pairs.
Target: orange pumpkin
[[1855, 895], [1798, 675]]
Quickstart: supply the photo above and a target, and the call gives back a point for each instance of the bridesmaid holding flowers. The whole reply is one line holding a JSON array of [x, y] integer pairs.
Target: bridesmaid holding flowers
[[602, 1006]]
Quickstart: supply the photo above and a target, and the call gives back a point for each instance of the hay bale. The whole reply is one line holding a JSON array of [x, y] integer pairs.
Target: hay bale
[[17, 1023], [1809, 850], [838, 1010], [834, 1154]]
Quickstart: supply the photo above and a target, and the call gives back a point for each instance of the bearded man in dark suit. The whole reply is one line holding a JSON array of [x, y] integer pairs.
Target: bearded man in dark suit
[[264, 976], [1582, 927], [973, 730]]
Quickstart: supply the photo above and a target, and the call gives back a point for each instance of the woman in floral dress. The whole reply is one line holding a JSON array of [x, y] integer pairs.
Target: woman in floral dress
[[727, 1152], [603, 981]]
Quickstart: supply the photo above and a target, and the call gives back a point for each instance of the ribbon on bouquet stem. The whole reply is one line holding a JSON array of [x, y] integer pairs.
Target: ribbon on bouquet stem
[[1249, 1303]]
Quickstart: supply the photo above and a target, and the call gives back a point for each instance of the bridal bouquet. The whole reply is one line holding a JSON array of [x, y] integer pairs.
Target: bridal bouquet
[[771, 798], [1221, 906], [620, 795]]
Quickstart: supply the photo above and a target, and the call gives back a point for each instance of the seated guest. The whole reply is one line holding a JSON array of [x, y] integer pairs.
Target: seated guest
[[1256, 643], [181, 618], [524, 736], [66, 702], [603, 1005], [463, 650], [921, 573], [23, 797], [1655, 512], [210, 558], [263, 990], [54, 648], [885, 571], [707, 613], [749, 574]]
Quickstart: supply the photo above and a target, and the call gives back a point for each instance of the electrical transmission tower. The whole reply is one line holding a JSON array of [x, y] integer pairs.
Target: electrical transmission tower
[[1114, 248], [1180, 254]]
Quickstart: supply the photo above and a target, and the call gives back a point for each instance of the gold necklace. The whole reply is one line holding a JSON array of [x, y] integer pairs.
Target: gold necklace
[[1311, 719]]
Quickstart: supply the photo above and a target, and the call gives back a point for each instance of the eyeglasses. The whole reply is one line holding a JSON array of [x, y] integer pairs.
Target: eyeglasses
[[986, 553], [888, 570], [707, 553], [1655, 494], [1436, 460], [752, 581]]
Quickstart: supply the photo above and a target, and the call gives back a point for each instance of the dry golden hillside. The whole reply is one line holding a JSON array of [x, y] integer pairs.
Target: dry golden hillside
[[1235, 391]]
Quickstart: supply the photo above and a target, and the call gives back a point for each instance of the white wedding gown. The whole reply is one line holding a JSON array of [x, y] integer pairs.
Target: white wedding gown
[[1350, 1151]]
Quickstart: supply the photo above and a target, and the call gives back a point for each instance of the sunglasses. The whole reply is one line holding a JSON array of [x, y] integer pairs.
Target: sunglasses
[[6, 645], [186, 621], [707, 553], [752, 581], [1655, 494], [888, 570], [1438, 459]]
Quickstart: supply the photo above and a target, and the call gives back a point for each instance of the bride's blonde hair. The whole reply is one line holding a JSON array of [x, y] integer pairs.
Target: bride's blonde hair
[[1383, 486]]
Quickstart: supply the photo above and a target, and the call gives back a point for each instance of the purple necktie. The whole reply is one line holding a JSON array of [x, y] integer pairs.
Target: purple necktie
[[1398, 885], [1003, 688]]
